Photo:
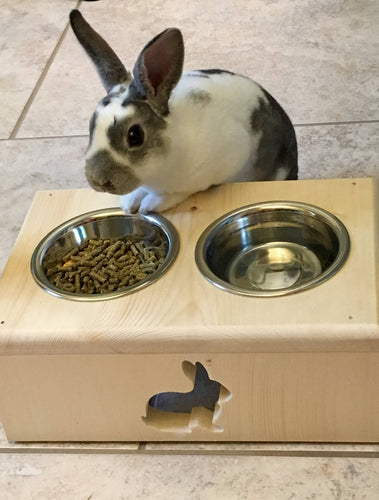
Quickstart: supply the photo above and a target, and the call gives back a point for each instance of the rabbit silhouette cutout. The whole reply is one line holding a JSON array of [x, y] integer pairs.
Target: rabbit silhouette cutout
[[184, 411]]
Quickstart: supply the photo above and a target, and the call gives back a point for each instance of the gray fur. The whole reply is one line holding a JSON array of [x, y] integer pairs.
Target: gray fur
[[150, 123], [105, 174], [106, 100], [198, 96], [215, 72], [111, 70], [92, 124], [195, 75], [278, 146]]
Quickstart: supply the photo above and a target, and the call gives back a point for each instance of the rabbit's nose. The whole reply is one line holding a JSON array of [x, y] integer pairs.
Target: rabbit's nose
[[107, 186]]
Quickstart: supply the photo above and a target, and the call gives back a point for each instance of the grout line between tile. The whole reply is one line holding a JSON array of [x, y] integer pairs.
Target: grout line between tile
[[44, 137], [37, 86], [352, 122], [73, 136], [266, 453], [143, 449]]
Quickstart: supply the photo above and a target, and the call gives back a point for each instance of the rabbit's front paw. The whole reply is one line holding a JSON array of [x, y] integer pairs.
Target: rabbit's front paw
[[159, 203], [151, 203], [130, 203], [144, 201]]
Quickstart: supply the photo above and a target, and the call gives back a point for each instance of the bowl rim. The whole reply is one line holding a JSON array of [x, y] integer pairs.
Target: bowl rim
[[92, 216], [326, 216]]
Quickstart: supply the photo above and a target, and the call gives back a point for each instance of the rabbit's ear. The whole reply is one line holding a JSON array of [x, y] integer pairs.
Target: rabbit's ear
[[159, 68], [111, 70]]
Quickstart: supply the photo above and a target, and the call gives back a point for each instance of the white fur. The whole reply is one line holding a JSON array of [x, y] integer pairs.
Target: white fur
[[205, 148], [281, 174], [105, 117], [209, 142]]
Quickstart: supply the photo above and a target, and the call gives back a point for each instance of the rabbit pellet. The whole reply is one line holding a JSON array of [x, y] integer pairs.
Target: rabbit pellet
[[105, 265]]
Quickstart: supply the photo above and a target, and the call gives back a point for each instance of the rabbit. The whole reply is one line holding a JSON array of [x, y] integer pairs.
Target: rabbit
[[160, 135]]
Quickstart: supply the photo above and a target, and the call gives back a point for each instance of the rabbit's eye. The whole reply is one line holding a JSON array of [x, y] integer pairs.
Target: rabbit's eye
[[135, 136]]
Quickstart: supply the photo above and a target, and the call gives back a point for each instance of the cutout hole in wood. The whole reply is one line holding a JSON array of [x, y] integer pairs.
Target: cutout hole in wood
[[184, 411]]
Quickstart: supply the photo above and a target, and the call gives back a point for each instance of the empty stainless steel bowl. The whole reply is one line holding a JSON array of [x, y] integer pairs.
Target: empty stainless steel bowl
[[105, 224], [272, 248]]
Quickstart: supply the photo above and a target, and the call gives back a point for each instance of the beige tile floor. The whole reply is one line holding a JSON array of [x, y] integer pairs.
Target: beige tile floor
[[319, 58]]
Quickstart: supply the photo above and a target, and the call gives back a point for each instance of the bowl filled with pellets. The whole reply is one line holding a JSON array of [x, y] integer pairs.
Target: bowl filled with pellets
[[104, 254]]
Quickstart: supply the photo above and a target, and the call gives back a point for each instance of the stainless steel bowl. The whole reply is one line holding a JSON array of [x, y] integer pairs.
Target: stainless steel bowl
[[273, 248], [110, 223]]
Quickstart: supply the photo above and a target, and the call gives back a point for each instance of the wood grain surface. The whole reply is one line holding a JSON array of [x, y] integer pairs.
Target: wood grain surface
[[182, 312]]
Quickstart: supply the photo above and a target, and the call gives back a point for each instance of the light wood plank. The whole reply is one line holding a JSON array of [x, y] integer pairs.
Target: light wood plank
[[182, 311], [330, 397]]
